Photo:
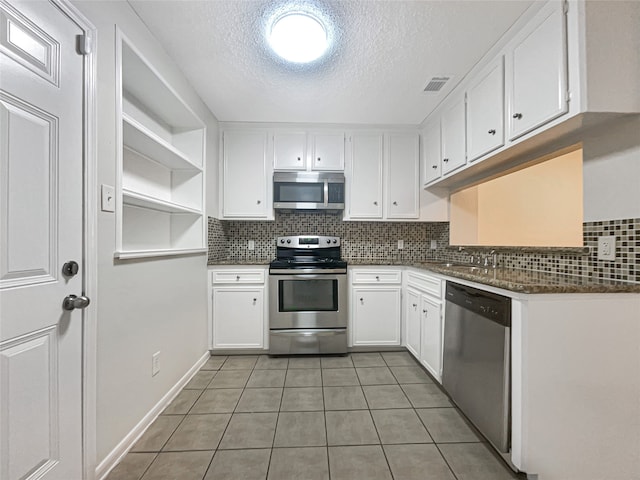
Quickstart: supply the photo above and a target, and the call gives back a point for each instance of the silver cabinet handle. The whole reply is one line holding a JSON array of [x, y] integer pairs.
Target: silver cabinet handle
[[255, 300], [362, 300], [395, 203], [375, 203], [517, 116], [424, 311], [71, 302], [377, 278], [237, 278], [445, 160], [434, 166], [491, 132], [299, 159], [258, 202], [318, 158], [415, 305]]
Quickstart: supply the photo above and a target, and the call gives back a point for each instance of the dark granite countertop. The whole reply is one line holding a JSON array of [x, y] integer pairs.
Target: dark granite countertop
[[252, 261], [521, 281]]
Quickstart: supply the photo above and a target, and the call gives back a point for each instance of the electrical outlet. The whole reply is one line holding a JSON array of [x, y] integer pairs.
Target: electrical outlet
[[108, 203], [155, 364], [251, 245], [433, 245], [607, 247], [400, 244]]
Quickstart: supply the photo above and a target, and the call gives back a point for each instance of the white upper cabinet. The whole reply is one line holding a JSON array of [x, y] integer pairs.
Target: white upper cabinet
[[453, 137], [383, 175], [290, 151], [485, 111], [328, 151], [563, 68], [246, 175], [365, 177], [303, 151], [537, 68], [431, 153], [402, 175]]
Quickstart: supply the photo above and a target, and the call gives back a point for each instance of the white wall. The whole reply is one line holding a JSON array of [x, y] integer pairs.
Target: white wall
[[144, 306], [611, 170]]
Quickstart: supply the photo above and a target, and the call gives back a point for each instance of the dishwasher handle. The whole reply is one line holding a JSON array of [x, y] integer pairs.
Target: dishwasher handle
[[491, 306]]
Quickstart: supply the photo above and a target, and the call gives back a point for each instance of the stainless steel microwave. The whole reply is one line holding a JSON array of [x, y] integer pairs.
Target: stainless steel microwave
[[308, 191]]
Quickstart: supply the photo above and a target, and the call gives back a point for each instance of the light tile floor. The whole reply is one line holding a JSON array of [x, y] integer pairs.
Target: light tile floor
[[365, 416]]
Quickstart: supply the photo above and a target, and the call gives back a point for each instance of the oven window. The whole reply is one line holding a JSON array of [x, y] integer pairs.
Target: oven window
[[299, 192], [313, 295]]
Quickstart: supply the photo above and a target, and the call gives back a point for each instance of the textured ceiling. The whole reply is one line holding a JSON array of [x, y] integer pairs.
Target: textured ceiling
[[383, 56]]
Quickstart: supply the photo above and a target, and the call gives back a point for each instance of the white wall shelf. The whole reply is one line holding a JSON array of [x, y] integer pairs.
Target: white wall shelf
[[161, 178], [143, 141], [146, 201]]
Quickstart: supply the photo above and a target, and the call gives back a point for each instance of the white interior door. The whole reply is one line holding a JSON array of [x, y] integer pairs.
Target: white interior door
[[41, 214]]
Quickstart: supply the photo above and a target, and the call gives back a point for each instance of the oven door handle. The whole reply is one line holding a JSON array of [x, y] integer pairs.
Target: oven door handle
[[308, 272], [315, 332]]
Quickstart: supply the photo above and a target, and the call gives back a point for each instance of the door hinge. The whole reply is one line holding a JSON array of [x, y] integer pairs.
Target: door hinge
[[84, 44]]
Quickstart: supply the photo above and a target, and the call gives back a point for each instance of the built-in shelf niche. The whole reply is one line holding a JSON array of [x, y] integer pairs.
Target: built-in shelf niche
[[161, 176]]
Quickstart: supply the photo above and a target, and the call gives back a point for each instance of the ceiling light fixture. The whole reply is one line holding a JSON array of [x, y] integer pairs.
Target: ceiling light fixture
[[298, 37]]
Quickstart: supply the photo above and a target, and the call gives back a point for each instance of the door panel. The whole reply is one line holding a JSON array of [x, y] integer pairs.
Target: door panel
[[365, 183], [41, 220]]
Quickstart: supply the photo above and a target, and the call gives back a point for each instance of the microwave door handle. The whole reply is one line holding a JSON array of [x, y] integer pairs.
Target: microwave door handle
[[326, 192]]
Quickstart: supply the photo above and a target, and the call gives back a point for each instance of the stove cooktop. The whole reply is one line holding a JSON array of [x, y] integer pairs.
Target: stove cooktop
[[308, 262]]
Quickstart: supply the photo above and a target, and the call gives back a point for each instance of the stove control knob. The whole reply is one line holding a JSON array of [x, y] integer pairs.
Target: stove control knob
[[282, 240], [288, 240], [335, 241], [328, 240]]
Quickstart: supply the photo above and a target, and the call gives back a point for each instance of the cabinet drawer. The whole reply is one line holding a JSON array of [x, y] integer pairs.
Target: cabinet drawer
[[237, 276], [374, 276], [425, 283]]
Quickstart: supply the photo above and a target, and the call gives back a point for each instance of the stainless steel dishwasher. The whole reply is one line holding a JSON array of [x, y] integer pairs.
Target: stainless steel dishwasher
[[476, 363]]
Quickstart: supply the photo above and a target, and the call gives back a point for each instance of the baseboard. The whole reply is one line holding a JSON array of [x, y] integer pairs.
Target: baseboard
[[118, 453]]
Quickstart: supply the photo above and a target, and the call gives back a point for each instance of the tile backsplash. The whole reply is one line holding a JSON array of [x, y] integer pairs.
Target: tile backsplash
[[377, 241]]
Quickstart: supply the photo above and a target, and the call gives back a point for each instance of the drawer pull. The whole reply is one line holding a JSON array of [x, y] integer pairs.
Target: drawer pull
[[237, 278]]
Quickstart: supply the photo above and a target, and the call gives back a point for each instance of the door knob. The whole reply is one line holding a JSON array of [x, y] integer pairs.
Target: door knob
[[70, 268], [71, 302]]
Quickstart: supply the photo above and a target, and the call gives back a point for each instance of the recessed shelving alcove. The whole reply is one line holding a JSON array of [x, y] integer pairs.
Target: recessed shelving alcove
[[160, 184]]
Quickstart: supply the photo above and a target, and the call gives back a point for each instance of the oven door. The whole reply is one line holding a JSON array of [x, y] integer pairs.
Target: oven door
[[308, 300]]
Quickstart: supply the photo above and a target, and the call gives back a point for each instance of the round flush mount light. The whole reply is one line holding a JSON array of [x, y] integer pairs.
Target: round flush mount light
[[298, 37]]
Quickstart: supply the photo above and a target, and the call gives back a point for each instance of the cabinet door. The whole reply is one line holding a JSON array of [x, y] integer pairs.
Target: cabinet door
[[238, 317], [328, 151], [376, 316], [431, 156], [537, 69], [365, 177], [431, 348], [245, 174], [413, 317], [403, 174], [485, 111], [453, 137], [290, 151]]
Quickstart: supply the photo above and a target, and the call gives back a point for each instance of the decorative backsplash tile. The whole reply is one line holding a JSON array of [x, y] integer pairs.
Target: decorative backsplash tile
[[377, 242]]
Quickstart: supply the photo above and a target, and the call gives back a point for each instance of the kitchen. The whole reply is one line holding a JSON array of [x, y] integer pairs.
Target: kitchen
[[160, 304]]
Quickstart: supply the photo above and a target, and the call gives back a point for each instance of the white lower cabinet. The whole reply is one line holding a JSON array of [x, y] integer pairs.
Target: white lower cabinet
[[238, 309], [424, 320], [413, 319], [375, 309], [431, 335]]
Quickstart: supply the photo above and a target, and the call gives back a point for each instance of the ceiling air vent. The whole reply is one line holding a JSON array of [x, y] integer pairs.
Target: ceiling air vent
[[436, 84]]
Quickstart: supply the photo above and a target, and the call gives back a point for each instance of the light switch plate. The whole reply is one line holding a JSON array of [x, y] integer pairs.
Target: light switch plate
[[251, 245], [108, 203], [433, 245], [400, 244], [607, 247]]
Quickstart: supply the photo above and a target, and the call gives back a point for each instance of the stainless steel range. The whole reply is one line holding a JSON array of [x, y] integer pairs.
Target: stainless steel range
[[307, 296]]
